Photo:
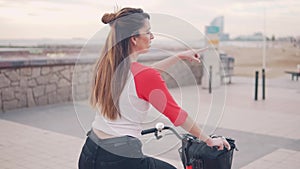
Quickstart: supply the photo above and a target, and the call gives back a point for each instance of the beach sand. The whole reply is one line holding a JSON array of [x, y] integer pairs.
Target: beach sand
[[280, 56]]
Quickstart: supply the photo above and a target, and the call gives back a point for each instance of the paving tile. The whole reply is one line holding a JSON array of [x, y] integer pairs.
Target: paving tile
[[28, 147], [275, 119], [279, 159]]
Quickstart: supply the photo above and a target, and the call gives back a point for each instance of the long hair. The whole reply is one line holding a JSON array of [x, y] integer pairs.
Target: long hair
[[112, 68]]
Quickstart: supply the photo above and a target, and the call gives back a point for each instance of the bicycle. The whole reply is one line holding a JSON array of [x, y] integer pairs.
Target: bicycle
[[194, 153]]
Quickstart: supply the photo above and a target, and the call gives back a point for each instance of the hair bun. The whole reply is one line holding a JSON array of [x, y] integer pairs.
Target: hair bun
[[108, 17]]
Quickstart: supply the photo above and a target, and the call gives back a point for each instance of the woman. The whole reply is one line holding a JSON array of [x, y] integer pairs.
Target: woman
[[123, 90]]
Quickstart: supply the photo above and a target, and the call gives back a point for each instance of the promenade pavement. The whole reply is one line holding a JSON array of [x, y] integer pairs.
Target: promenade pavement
[[266, 131]]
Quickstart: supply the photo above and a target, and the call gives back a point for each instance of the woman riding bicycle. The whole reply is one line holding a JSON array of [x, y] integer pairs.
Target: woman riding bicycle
[[123, 91]]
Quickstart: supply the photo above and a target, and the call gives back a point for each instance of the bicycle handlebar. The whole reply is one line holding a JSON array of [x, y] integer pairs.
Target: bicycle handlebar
[[155, 131], [148, 131]]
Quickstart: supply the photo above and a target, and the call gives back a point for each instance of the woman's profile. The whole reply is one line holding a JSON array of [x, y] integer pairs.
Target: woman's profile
[[122, 92]]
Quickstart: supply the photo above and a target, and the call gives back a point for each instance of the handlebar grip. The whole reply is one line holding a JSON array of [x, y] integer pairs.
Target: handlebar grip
[[148, 131]]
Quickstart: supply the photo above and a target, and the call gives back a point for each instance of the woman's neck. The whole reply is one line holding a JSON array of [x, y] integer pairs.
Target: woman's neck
[[133, 57]]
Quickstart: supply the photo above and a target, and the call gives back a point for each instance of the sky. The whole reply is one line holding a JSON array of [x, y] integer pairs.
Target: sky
[[30, 19]]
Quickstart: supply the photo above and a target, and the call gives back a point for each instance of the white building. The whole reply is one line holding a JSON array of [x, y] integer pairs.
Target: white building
[[219, 22]]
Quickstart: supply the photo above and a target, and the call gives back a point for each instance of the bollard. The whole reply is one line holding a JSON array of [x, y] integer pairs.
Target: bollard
[[256, 85], [263, 84], [210, 79]]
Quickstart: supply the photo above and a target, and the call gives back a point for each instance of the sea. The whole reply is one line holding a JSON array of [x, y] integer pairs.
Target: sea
[[32, 45], [80, 41], [40, 42]]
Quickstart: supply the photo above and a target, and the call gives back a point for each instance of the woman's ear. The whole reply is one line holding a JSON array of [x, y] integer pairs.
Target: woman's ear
[[133, 40]]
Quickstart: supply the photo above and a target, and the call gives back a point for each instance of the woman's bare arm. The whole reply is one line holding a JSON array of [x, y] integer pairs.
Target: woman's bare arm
[[190, 126], [190, 55]]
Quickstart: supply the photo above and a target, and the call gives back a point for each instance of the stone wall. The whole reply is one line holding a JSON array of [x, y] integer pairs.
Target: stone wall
[[29, 85], [37, 85]]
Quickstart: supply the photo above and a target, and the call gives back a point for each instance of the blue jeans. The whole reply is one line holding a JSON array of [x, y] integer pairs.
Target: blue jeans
[[117, 153]]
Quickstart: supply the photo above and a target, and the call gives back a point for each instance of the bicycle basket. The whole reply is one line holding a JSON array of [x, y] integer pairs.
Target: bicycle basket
[[197, 154]]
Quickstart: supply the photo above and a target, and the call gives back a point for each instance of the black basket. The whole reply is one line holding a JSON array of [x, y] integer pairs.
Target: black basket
[[197, 154]]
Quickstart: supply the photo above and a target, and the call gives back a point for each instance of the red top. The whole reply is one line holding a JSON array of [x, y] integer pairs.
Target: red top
[[152, 88]]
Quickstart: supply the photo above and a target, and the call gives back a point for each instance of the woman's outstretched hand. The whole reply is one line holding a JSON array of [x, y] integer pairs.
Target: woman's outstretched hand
[[219, 142], [191, 55]]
